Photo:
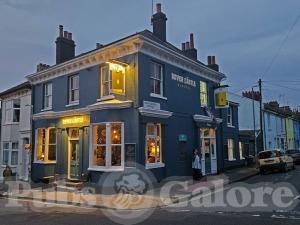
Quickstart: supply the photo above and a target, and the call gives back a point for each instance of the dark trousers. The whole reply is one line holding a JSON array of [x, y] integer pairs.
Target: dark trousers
[[197, 174]]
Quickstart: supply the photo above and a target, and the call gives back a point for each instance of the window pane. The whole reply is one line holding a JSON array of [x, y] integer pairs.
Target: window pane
[[6, 145], [16, 103], [52, 136], [118, 81], [15, 145], [157, 87], [152, 86], [74, 133], [52, 152], [116, 134], [230, 149], [41, 141], [151, 150], [14, 158], [150, 129], [116, 155], [5, 157], [99, 134], [158, 159], [16, 116], [99, 156]]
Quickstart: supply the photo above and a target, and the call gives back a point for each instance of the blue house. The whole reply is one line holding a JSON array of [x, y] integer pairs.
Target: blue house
[[136, 100]]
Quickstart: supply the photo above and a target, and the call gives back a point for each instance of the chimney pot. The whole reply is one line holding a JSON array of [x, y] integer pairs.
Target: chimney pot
[[66, 34], [61, 30], [187, 45], [158, 7], [98, 45], [70, 36], [213, 60], [183, 46], [208, 60], [192, 41]]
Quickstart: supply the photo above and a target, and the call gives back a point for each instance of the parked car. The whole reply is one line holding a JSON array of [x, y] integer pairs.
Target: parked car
[[271, 160], [295, 154]]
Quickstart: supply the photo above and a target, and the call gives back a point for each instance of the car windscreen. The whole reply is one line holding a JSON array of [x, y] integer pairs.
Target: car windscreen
[[269, 154]]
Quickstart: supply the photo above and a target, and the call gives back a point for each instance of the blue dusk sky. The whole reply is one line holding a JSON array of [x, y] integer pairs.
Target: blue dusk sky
[[251, 39]]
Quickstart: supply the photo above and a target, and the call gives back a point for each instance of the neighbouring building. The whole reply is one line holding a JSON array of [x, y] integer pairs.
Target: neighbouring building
[[16, 129], [296, 126], [136, 100], [249, 126]]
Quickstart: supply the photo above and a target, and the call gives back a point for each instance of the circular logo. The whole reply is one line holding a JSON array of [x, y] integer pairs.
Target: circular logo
[[130, 195]]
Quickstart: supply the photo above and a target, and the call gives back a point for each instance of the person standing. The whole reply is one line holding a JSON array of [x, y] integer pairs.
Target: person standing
[[196, 165]]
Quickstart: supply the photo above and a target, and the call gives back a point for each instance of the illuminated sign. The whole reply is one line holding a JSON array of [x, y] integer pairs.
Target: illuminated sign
[[75, 120], [221, 97]]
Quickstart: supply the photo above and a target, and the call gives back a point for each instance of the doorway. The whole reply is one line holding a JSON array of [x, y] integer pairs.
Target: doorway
[[208, 150], [73, 154]]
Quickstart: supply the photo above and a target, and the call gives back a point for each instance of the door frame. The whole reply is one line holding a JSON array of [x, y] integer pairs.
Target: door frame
[[69, 151]]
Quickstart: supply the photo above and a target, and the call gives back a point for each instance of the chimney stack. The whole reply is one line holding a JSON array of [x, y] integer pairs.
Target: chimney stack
[[211, 63], [65, 46], [190, 50], [159, 22]]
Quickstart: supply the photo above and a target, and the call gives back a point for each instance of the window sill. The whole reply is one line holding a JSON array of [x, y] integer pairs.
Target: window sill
[[154, 165], [118, 169], [72, 104], [231, 126], [13, 167], [46, 163], [46, 109], [231, 160], [11, 123], [105, 98], [158, 96]]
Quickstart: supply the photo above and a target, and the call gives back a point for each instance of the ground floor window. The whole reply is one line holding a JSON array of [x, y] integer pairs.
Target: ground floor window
[[230, 144], [242, 150], [153, 144], [108, 146], [10, 153], [46, 140]]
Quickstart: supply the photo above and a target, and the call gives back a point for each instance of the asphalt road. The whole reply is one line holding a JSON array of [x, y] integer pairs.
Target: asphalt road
[[34, 213]]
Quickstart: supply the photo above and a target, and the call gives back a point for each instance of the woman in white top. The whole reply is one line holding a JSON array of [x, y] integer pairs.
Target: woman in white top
[[196, 165]]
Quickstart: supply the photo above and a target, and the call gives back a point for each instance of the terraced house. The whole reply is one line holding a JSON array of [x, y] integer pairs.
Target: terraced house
[[136, 100]]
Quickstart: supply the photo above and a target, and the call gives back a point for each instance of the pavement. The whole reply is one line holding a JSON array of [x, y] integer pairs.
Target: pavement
[[37, 212], [172, 190]]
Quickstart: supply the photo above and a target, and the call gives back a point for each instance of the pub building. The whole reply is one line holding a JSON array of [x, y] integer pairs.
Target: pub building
[[136, 100]]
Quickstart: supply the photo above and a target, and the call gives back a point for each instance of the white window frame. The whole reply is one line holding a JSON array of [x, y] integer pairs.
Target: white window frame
[[108, 146], [241, 150], [111, 92], [161, 80], [203, 93], [232, 158], [14, 150], [6, 150], [230, 115], [202, 139], [16, 109], [46, 146], [154, 136], [73, 89], [47, 97]]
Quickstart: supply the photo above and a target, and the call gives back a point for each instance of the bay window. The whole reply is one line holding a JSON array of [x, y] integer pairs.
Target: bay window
[[156, 77], [153, 144], [48, 96], [73, 89], [108, 146], [45, 145], [203, 93], [112, 79]]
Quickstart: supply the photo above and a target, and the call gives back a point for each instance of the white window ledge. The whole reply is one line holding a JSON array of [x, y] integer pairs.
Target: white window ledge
[[101, 169], [231, 126], [105, 98], [72, 104], [155, 113], [154, 165], [46, 163], [158, 96], [46, 109], [13, 167]]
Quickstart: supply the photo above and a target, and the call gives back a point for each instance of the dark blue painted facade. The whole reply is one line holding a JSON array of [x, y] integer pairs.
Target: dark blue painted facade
[[183, 102]]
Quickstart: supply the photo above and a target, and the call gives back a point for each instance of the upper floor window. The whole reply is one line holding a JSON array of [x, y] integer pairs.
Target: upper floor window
[[74, 89], [48, 96], [12, 111], [203, 93], [156, 76], [230, 115], [112, 79]]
